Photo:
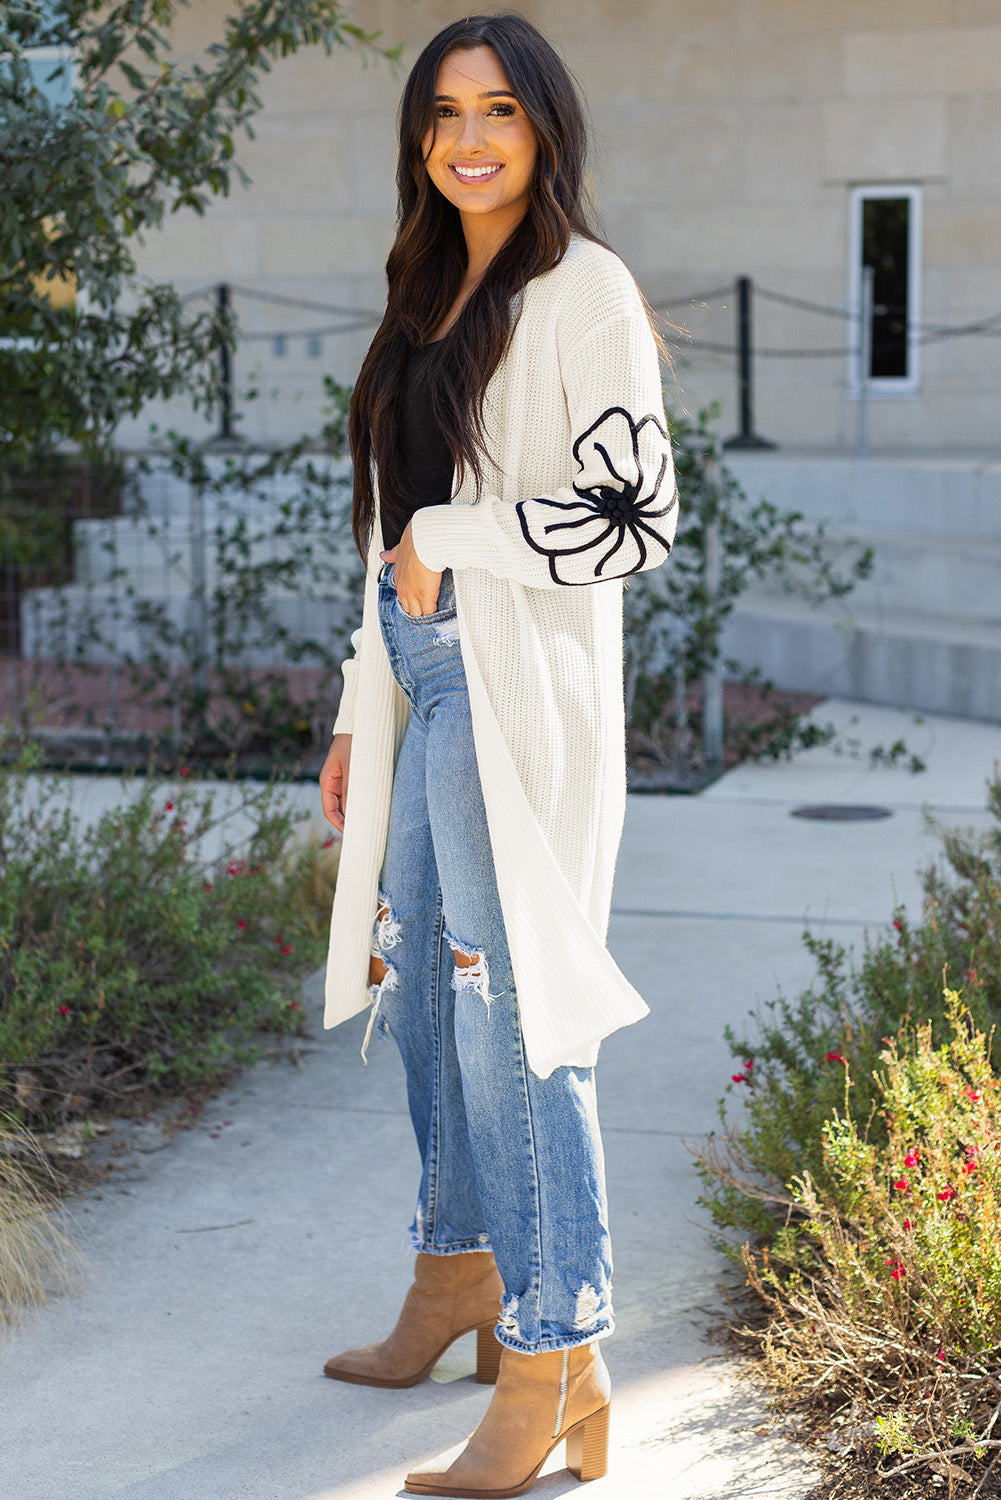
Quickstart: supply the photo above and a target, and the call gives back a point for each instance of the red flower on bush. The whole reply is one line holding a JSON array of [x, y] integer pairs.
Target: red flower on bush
[[898, 923], [185, 771], [898, 1269], [911, 1159], [908, 1223], [902, 1185], [170, 807], [286, 949], [946, 1193], [835, 1057], [968, 1167], [738, 1077], [292, 1005], [64, 1010], [207, 887], [242, 925], [971, 1094]]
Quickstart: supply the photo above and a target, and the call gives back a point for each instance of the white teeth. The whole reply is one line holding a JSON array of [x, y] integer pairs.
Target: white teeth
[[475, 171]]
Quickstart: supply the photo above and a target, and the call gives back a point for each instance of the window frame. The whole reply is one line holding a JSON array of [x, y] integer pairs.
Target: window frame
[[886, 387]]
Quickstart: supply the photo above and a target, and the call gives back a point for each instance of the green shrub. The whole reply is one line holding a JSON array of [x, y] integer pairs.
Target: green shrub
[[885, 1292], [130, 958], [793, 1063]]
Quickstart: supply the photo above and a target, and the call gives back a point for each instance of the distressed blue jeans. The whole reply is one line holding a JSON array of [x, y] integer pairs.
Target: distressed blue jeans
[[510, 1162]]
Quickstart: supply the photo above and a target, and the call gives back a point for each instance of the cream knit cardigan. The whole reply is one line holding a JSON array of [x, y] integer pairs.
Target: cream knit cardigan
[[579, 490]]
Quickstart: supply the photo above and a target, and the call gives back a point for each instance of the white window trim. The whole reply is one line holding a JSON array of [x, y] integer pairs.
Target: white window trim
[[886, 387]]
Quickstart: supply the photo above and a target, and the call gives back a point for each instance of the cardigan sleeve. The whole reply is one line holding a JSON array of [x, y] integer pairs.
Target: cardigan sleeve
[[616, 514], [344, 722]]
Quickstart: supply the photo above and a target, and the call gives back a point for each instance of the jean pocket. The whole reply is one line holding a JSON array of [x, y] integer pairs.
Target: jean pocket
[[433, 619]]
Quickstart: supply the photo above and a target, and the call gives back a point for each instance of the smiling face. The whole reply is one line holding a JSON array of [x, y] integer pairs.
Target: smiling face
[[481, 152]]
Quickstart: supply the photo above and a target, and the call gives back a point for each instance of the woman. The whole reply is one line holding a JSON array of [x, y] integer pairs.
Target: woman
[[515, 376]]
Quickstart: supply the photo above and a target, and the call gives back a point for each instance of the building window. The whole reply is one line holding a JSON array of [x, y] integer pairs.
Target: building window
[[51, 71], [886, 235], [49, 61]]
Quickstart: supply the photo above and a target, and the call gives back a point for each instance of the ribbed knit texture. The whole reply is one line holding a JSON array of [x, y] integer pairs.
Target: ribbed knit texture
[[579, 491]]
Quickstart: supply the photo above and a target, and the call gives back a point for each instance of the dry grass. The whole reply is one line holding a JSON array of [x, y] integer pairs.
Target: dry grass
[[37, 1257]]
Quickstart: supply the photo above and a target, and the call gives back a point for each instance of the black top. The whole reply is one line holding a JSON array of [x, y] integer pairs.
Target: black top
[[427, 467]]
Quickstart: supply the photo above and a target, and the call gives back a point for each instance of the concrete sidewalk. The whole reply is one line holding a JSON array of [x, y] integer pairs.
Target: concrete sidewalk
[[226, 1265]]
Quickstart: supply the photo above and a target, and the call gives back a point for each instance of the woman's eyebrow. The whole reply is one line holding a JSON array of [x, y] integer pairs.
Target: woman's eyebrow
[[492, 94]]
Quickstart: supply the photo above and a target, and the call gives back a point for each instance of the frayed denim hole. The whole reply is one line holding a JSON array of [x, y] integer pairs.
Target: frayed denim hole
[[588, 1309], [473, 976], [389, 981], [508, 1321], [473, 979], [447, 633], [387, 931]]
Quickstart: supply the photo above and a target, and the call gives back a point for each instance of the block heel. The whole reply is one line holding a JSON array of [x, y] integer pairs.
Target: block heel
[[587, 1446], [488, 1354]]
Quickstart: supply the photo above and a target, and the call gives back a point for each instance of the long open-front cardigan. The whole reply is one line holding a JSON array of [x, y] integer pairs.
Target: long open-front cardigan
[[578, 492]]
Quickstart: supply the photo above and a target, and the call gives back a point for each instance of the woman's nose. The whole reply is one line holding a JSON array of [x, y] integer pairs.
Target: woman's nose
[[471, 137]]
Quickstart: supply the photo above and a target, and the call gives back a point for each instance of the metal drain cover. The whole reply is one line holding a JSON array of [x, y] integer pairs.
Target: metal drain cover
[[842, 812]]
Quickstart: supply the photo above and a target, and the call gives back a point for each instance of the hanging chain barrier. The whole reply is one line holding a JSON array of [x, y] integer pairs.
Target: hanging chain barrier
[[742, 292]]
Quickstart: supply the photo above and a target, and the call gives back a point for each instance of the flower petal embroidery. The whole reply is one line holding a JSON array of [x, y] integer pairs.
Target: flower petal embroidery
[[622, 465]]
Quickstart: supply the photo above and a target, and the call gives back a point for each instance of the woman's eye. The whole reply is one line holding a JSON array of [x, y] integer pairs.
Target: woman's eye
[[502, 109]]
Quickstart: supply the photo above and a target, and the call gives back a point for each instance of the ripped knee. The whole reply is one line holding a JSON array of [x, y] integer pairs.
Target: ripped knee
[[471, 973], [382, 976], [385, 935]]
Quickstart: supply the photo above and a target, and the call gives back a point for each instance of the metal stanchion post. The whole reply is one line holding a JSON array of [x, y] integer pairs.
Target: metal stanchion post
[[864, 360], [712, 573], [199, 603], [225, 433], [746, 437]]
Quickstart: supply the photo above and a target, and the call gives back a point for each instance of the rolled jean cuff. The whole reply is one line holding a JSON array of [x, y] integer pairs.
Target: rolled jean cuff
[[461, 1247], [546, 1346]]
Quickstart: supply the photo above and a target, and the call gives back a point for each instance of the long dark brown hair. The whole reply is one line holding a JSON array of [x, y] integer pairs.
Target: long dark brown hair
[[428, 260]]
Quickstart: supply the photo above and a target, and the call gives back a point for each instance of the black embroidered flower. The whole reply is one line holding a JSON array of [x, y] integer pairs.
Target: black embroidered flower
[[622, 465]]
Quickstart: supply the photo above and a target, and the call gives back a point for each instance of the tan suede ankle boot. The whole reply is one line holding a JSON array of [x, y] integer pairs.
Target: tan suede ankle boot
[[540, 1399], [451, 1295]]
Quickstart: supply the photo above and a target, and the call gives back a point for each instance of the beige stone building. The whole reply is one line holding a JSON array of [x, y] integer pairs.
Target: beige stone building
[[784, 140]]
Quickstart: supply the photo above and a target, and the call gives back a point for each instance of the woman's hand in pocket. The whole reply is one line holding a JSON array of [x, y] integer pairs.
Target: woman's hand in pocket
[[416, 586]]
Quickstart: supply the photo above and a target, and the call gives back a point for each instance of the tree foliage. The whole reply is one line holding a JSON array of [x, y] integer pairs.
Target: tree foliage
[[144, 134]]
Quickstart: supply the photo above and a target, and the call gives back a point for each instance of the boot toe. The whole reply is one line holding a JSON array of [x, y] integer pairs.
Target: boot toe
[[433, 1477], [353, 1364]]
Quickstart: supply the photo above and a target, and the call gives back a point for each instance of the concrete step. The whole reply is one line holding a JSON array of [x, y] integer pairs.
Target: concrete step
[[949, 495], [908, 659]]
